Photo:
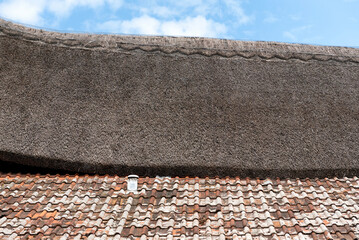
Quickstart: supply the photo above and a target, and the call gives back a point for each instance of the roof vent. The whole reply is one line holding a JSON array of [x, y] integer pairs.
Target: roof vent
[[132, 183]]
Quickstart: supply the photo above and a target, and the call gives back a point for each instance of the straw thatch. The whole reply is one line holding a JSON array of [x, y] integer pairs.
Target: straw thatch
[[176, 106]]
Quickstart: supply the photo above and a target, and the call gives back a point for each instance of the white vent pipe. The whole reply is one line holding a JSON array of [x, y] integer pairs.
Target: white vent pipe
[[132, 183]]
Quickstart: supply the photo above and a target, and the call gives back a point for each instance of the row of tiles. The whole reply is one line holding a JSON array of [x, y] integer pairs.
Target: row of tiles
[[191, 208]]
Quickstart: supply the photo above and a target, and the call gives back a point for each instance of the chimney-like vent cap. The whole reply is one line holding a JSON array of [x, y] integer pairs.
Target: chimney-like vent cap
[[132, 183]]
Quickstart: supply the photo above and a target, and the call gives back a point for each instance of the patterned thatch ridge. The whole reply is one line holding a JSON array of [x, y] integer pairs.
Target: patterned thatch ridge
[[184, 45]]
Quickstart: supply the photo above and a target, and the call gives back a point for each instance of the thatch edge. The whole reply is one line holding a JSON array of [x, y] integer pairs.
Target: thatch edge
[[182, 45], [15, 163]]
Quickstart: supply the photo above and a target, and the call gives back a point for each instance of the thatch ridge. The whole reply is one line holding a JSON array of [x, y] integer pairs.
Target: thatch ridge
[[183, 45]]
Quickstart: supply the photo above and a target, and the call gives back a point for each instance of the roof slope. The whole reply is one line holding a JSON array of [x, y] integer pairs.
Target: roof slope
[[76, 207], [105, 103]]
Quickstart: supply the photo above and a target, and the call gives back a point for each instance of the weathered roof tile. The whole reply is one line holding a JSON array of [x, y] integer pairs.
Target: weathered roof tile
[[100, 207]]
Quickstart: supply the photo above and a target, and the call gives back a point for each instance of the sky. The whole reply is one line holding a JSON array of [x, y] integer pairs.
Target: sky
[[320, 22]]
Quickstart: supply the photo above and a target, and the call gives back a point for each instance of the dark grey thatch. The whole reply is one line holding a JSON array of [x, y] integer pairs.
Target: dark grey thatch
[[164, 105]]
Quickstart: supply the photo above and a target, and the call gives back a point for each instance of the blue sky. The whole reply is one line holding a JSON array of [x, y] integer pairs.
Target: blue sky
[[323, 22]]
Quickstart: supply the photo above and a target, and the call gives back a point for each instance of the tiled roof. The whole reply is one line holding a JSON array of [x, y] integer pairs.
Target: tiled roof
[[100, 207]]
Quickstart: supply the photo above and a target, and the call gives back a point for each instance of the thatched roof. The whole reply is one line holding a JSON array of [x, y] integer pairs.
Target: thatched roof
[[165, 105]]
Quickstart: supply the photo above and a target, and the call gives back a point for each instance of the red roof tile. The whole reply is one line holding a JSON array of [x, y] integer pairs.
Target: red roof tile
[[100, 207]]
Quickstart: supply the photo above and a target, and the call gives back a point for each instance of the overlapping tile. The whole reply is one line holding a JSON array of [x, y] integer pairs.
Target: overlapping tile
[[100, 207]]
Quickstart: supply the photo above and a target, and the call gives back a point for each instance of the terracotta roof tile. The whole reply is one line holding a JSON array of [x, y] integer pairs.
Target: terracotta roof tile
[[100, 207]]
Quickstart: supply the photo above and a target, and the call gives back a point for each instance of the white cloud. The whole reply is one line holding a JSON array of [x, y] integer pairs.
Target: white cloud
[[191, 26], [160, 11], [171, 9], [238, 11], [64, 7], [30, 12], [24, 11], [222, 9], [115, 4], [197, 26], [140, 25], [157, 17]]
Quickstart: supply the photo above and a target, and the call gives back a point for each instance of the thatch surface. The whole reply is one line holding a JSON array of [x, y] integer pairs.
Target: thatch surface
[[104, 103]]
